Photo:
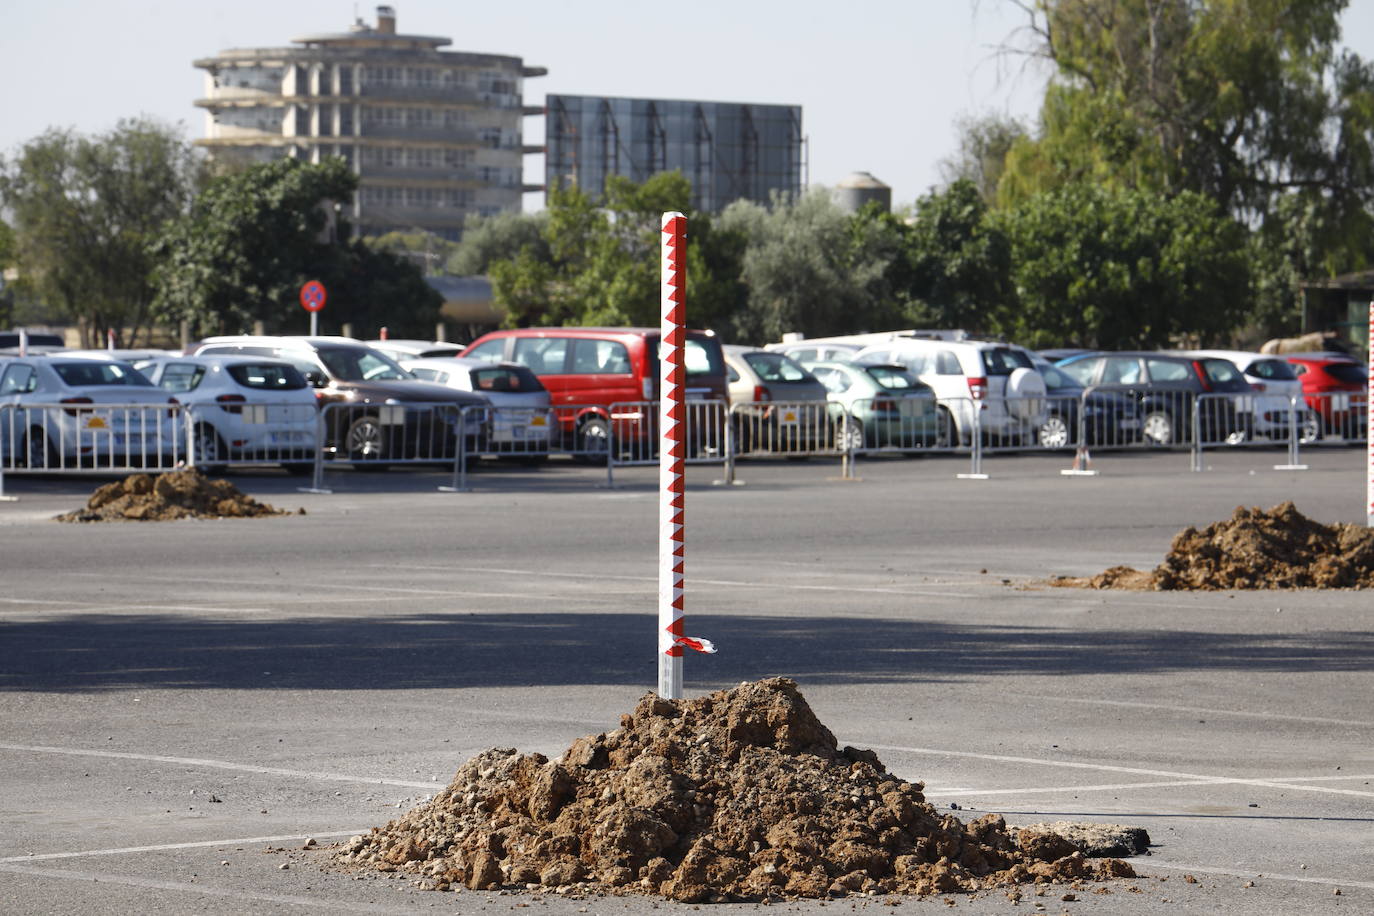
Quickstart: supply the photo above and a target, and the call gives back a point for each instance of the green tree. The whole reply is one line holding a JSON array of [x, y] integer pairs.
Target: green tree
[[7, 250], [597, 262], [1119, 269], [957, 270], [427, 251], [254, 237], [500, 237], [984, 143], [84, 212], [812, 268]]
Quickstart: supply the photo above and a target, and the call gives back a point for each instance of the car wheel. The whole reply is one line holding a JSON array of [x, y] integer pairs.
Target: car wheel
[[594, 440], [39, 452], [946, 433], [365, 445], [1158, 428], [1054, 432], [211, 454], [1309, 427], [849, 435]]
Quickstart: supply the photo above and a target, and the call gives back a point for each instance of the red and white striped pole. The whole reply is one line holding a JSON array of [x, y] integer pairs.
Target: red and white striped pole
[[1369, 422], [672, 427]]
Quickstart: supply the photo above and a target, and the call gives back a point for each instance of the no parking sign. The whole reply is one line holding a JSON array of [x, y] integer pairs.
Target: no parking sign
[[312, 300]]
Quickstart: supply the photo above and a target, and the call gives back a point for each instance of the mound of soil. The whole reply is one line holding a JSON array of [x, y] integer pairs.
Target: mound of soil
[[177, 494], [738, 795], [1254, 549]]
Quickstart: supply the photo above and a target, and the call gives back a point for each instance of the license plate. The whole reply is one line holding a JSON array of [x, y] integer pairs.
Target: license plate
[[539, 420]]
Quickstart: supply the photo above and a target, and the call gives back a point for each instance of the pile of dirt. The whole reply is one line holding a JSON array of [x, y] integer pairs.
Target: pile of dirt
[[738, 795], [178, 494], [1254, 549]]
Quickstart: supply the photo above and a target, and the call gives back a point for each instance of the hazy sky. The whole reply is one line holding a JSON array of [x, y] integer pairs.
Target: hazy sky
[[881, 82]]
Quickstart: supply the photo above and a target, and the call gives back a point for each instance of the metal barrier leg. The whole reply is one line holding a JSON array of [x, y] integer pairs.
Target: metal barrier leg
[[3, 497], [729, 479], [317, 475], [1197, 438], [1293, 462], [460, 457], [976, 466]]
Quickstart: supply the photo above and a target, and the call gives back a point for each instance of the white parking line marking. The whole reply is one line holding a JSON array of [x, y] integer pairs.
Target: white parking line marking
[[1043, 790], [1198, 778], [241, 841], [221, 765], [1200, 710], [325, 905], [1233, 873]]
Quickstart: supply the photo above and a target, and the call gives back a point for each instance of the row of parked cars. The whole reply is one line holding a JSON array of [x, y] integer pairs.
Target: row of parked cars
[[520, 393]]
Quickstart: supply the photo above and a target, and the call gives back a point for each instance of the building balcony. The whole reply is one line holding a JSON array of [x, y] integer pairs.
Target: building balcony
[[447, 177], [454, 95], [454, 135]]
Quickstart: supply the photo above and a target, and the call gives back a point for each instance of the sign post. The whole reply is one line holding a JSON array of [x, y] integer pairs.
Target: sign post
[[672, 424], [312, 300]]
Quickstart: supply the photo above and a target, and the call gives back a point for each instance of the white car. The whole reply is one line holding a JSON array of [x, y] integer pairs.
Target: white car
[[1277, 389], [522, 421], [402, 350], [1000, 378], [243, 408], [66, 412]]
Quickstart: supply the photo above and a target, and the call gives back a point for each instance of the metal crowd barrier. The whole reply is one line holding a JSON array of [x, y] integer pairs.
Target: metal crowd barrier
[[84, 438], [281, 433]]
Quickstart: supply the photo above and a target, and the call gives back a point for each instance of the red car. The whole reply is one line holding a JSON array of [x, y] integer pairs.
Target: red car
[[1337, 388]]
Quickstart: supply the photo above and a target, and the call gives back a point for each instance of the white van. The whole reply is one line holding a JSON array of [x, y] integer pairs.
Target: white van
[[998, 377]]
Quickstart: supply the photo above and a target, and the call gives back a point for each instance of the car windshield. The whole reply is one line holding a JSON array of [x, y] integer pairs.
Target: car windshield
[[1004, 361], [1272, 369], [78, 374], [359, 364], [775, 367]]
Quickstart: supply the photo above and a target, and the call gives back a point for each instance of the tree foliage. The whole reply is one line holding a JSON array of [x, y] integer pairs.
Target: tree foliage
[[499, 237], [255, 236], [85, 210], [427, 251], [596, 262], [1120, 269]]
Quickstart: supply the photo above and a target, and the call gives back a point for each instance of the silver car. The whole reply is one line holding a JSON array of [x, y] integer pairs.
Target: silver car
[[522, 422]]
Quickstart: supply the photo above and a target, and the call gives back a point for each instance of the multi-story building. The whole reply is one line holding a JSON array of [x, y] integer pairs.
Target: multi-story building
[[433, 135], [728, 150]]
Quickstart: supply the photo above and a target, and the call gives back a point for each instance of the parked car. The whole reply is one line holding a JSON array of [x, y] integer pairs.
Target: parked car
[[1337, 390], [1277, 389], [401, 350], [34, 342], [521, 422], [389, 414], [1166, 386], [586, 370], [757, 379], [1108, 417], [812, 351], [243, 408], [112, 416], [884, 406], [1002, 380]]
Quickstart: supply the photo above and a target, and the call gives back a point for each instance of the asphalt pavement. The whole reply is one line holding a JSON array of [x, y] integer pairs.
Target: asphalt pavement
[[184, 704]]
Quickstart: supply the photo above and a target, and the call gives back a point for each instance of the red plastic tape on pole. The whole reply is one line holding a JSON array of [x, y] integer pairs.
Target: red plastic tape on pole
[[671, 428]]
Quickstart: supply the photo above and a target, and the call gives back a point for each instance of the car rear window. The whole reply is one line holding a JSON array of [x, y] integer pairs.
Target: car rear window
[[1005, 361], [1350, 373], [359, 364], [893, 377], [1221, 371], [92, 373], [1273, 369], [774, 367], [268, 376], [505, 378]]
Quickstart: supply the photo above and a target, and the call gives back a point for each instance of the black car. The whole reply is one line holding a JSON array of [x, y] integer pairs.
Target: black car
[[378, 410], [1168, 387], [1107, 417]]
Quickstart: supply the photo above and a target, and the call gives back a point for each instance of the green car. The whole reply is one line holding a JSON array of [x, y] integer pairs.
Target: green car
[[887, 406]]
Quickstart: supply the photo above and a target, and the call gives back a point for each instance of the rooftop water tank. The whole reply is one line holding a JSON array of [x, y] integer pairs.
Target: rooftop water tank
[[858, 188]]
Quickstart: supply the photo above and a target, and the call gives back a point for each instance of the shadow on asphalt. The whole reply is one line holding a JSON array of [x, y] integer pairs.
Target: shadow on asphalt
[[83, 652]]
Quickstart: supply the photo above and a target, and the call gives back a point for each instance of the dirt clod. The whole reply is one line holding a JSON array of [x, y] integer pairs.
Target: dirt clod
[[174, 495], [1253, 549], [738, 795]]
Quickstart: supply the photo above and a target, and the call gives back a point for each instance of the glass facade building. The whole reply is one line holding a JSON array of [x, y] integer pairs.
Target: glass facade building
[[727, 150]]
